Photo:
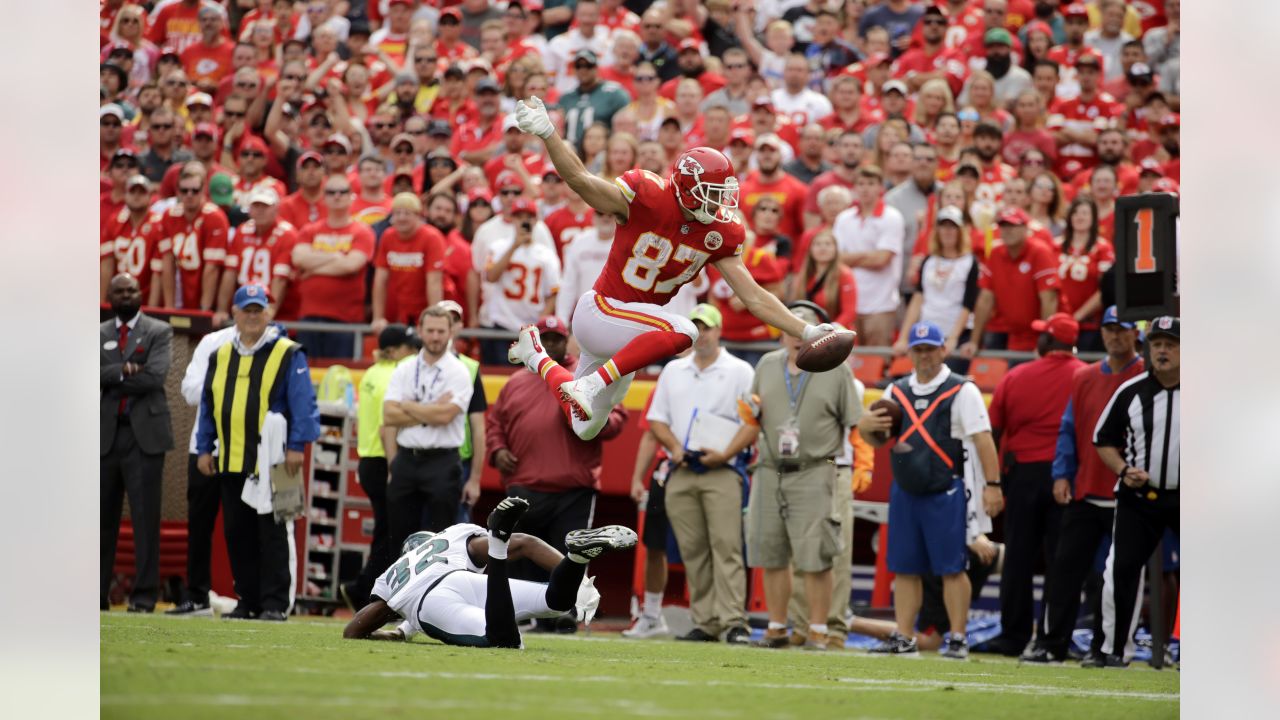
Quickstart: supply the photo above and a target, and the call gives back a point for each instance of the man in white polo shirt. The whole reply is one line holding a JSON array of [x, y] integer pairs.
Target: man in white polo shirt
[[704, 501], [869, 236], [426, 400]]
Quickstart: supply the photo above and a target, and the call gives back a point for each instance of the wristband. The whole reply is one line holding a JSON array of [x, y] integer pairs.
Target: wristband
[[1122, 472], [993, 484]]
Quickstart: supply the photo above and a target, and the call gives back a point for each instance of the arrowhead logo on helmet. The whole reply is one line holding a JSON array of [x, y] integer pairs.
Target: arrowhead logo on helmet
[[704, 184], [689, 166]]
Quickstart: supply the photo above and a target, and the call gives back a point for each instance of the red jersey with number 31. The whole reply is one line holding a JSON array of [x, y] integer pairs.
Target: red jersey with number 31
[[658, 249]]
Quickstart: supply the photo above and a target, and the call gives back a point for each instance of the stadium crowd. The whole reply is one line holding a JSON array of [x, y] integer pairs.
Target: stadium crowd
[[954, 163]]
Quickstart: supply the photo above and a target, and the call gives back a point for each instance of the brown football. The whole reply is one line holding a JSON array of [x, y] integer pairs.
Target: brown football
[[826, 352], [895, 415]]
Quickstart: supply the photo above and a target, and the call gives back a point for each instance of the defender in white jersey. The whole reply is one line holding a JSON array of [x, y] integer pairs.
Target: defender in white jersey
[[436, 585]]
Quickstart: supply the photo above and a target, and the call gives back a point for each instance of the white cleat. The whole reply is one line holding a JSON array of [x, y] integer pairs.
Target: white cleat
[[579, 394], [527, 345], [646, 627]]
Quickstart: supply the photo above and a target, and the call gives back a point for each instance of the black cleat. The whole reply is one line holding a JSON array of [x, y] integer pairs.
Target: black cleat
[[738, 636], [504, 518], [272, 616], [698, 635], [591, 544], [240, 613], [187, 607]]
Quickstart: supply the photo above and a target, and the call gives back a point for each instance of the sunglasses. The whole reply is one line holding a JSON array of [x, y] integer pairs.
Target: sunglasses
[[246, 84], [232, 114], [646, 78], [252, 154], [382, 126], [162, 126], [173, 83], [190, 191], [583, 66], [128, 21], [403, 151], [512, 193], [110, 123], [335, 192], [652, 26], [416, 132], [141, 190], [334, 150], [295, 77], [735, 66]]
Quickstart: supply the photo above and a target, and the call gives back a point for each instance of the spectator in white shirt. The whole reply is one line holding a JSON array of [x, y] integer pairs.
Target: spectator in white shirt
[[520, 278], [870, 238], [587, 33], [584, 258], [794, 98], [1109, 38]]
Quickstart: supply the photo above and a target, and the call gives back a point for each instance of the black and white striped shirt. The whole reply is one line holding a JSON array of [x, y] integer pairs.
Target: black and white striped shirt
[[1142, 421]]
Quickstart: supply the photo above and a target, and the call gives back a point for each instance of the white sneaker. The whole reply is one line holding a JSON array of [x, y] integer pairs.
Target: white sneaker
[[580, 393], [646, 627], [527, 345]]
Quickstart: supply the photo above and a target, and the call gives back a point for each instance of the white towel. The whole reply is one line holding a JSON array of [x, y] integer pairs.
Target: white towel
[[257, 488]]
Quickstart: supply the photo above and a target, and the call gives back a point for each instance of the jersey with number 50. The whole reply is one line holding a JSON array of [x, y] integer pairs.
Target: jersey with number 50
[[403, 584], [658, 249]]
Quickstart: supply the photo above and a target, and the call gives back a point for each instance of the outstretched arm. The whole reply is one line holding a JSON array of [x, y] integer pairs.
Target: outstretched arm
[[760, 302], [368, 620], [603, 196]]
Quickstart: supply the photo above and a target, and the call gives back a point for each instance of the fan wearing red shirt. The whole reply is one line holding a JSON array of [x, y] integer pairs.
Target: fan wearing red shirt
[[332, 256], [739, 324], [476, 140], [825, 281], [843, 173], [1075, 23], [372, 205], [408, 265], [987, 140], [847, 111], [177, 24], [253, 171], [1027, 133], [568, 221], [932, 58], [1076, 123], [1083, 257], [195, 230], [1018, 284], [124, 165], [306, 206], [459, 274], [258, 254], [130, 242], [689, 60], [513, 154], [770, 181], [208, 60]]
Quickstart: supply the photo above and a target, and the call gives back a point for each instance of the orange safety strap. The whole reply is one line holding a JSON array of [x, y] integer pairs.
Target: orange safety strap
[[917, 422]]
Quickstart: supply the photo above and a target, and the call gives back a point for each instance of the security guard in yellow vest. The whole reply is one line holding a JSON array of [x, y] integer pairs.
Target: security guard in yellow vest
[[259, 371]]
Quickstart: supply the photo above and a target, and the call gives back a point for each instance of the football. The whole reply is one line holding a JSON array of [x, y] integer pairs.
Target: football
[[826, 352], [895, 416]]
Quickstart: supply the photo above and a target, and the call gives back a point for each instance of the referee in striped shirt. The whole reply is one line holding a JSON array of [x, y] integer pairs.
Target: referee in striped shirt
[[1137, 438]]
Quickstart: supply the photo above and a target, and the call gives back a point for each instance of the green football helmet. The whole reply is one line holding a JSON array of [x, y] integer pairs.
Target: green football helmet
[[422, 537]]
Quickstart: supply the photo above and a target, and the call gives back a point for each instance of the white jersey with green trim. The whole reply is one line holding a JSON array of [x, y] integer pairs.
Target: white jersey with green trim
[[403, 584]]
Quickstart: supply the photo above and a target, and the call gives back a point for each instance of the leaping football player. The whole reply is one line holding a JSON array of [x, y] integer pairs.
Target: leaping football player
[[436, 586], [668, 230]]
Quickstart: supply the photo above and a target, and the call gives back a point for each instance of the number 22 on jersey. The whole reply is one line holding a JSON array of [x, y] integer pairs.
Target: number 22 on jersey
[[649, 256], [426, 556]]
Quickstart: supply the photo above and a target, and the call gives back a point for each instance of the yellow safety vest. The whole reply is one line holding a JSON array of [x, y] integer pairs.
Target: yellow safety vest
[[241, 387]]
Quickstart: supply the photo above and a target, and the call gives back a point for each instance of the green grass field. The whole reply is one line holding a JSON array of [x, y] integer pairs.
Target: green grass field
[[157, 667]]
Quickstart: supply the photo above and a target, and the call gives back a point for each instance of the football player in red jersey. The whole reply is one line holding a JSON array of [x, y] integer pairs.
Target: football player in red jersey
[[259, 255], [668, 229], [196, 232]]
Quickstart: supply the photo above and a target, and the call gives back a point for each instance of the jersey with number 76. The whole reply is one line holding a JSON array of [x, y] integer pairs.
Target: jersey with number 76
[[658, 249], [402, 585]]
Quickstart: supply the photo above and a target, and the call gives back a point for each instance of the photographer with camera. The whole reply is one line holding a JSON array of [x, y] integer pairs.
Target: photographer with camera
[[521, 278]]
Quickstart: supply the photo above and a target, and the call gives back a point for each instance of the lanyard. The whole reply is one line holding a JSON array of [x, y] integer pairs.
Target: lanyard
[[417, 372], [794, 396]]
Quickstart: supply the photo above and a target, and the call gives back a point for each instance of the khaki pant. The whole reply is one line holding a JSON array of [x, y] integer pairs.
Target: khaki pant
[[876, 328], [705, 512], [841, 566]]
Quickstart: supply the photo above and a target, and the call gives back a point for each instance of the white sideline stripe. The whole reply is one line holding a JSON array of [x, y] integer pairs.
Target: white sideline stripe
[[853, 684]]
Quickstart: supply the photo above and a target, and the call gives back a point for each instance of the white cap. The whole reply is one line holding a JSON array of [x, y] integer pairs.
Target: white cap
[[264, 195], [509, 123], [895, 85], [199, 98], [111, 109], [769, 139], [952, 214]]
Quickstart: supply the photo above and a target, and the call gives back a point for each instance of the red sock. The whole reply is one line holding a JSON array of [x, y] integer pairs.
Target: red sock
[[554, 375], [643, 351]]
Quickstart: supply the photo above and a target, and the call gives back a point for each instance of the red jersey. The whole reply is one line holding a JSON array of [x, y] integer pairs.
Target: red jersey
[[994, 177], [1018, 142], [457, 266], [407, 262], [194, 242], [709, 81], [394, 45], [338, 298], [1096, 114], [1016, 283], [787, 190], [565, 224], [1028, 405], [457, 51], [739, 325], [951, 62], [107, 207], [177, 25], [456, 115], [866, 118], [295, 210], [370, 212], [474, 136], [1067, 57], [1127, 175], [205, 64], [533, 163], [658, 250], [137, 249], [1079, 275], [846, 304], [282, 33], [257, 256], [243, 188]]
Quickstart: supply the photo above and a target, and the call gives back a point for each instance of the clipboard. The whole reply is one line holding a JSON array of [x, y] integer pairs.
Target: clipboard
[[709, 431]]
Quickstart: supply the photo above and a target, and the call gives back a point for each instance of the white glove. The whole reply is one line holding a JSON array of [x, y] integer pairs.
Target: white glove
[[531, 117], [588, 600], [812, 332]]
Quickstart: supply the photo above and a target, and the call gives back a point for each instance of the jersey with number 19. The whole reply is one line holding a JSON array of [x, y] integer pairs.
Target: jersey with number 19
[[403, 584], [658, 249]]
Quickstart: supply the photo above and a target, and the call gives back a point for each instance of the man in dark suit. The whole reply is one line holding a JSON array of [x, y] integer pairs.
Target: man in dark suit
[[134, 360]]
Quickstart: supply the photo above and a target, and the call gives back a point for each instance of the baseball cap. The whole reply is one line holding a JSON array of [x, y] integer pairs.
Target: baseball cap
[[997, 36], [1171, 120], [310, 155], [338, 139], [1140, 72], [742, 135], [406, 201], [449, 12], [1076, 9], [205, 128], [951, 214], [451, 306], [1013, 216], [510, 123], [1165, 325], [1112, 317], [125, 152], [708, 315], [169, 51], [553, 324], [550, 172], [251, 295], [764, 101], [454, 71], [769, 139], [1061, 326], [969, 167], [894, 85], [926, 333], [689, 44], [137, 180], [1150, 165], [264, 195], [111, 109], [439, 128], [253, 142], [221, 189], [586, 55], [479, 194], [393, 335], [875, 60], [508, 179], [402, 139], [1089, 58], [199, 98], [119, 48], [523, 205], [486, 84]]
